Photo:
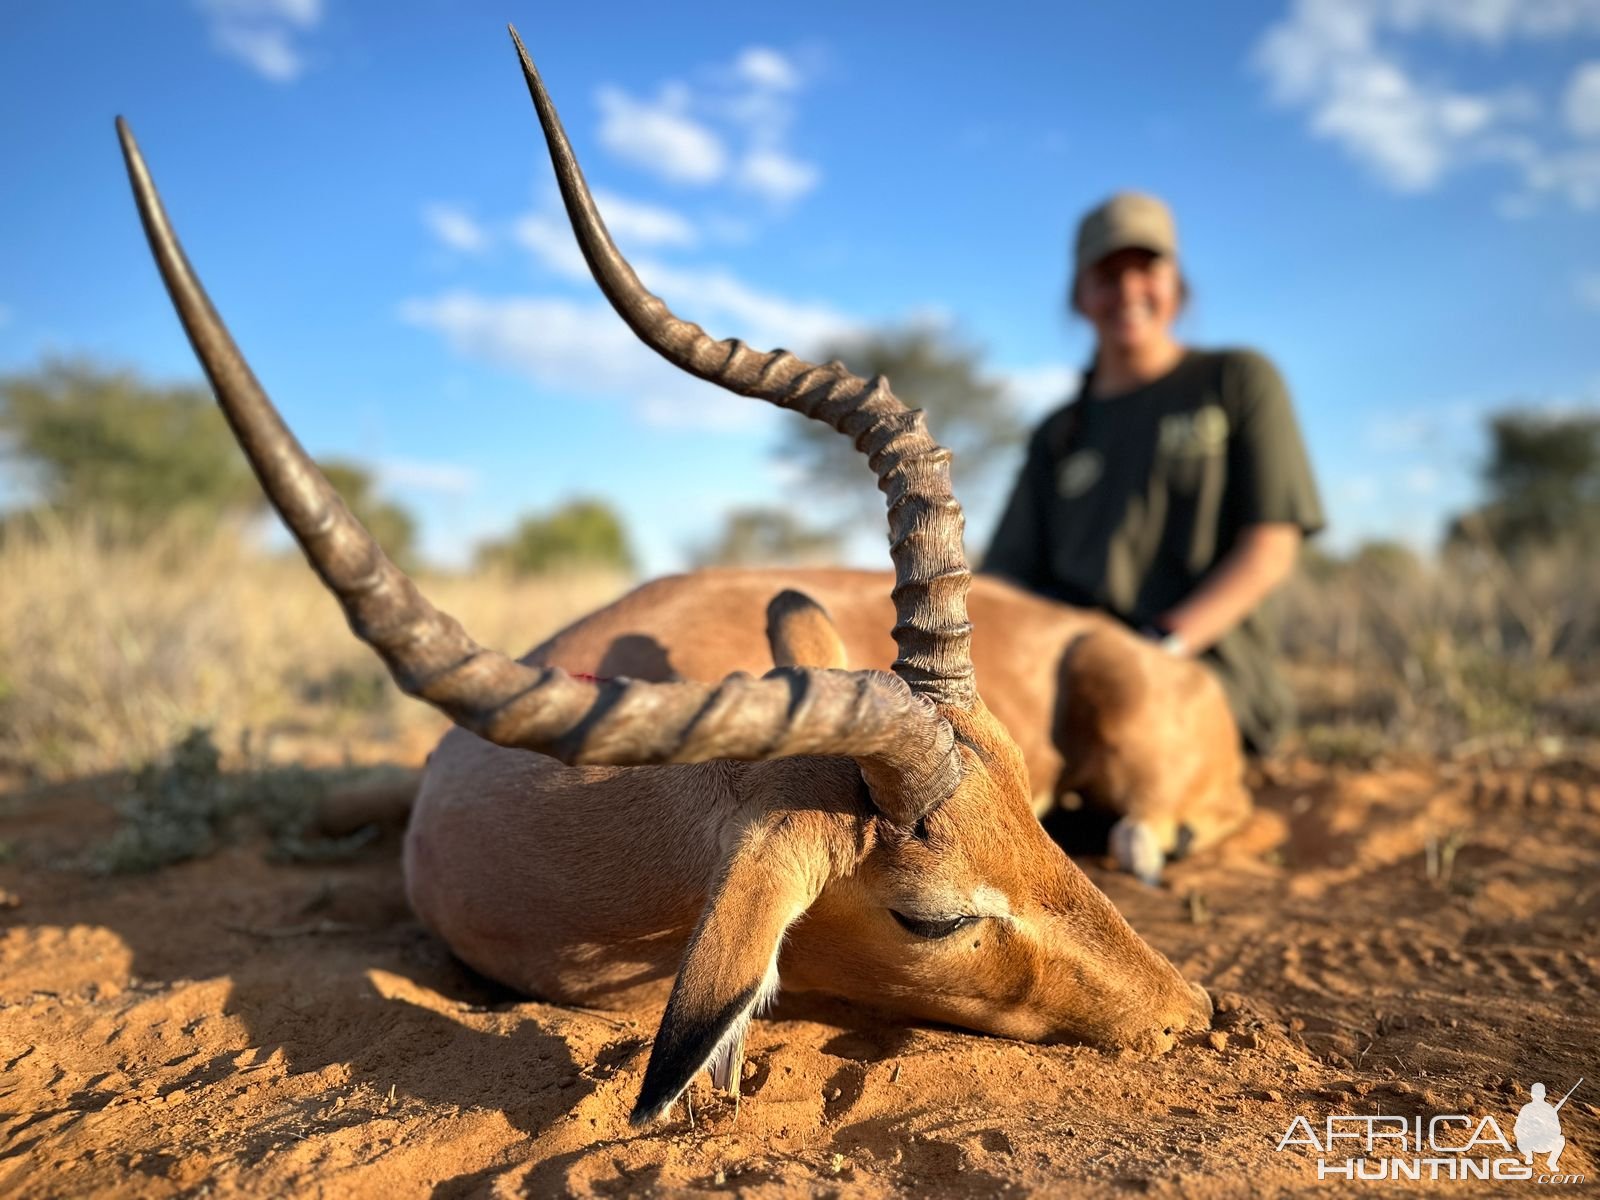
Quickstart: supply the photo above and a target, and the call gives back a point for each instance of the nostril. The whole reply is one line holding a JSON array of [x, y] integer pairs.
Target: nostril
[[1167, 1031]]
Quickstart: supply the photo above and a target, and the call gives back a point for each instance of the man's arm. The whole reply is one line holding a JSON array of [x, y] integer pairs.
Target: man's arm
[[1261, 558]]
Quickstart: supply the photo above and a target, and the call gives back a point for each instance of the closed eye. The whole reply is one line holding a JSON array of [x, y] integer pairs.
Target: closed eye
[[941, 928]]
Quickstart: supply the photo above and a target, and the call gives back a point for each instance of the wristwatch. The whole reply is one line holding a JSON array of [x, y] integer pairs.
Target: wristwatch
[[1169, 641]]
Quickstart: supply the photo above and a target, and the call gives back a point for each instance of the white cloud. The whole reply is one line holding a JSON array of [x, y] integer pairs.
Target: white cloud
[[1582, 103], [1390, 432], [776, 176], [1040, 389], [1587, 289], [1326, 57], [1573, 175], [547, 234], [1421, 480], [302, 13], [1357, 490], [631, 221], [1403, 431], [455, 228], [661, 137], [562, 344], [1337, 60], [734, 127], [261, 33], [1490, 22], [584, 347], [766, 68], [726, 305], [548, 237], [451, 479]]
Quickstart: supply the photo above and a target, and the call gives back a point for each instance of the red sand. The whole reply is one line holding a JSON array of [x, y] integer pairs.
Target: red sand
[[235, 1027]]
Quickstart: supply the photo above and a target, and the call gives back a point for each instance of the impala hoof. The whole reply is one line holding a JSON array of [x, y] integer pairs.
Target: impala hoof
[[1138, 850]]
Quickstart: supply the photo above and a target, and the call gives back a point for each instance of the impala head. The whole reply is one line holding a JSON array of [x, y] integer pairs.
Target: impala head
[[972, 915], [992, 927], [887, 809]]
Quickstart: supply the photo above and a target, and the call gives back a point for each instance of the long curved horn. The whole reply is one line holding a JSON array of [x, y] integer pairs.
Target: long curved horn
[[905, 748], [925, 522]]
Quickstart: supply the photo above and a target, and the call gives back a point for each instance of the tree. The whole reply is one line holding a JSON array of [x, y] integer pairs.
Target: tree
[[108, 442], [967, 412], [393, 526], [1543, 483], [581, 533], [766, 536], [1386, 563]]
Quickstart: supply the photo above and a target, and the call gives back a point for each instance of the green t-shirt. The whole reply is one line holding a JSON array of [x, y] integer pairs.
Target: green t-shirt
[[1125, 504]]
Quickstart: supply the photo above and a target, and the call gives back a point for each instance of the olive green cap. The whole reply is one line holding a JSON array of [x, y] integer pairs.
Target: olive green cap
[[1129, 220]]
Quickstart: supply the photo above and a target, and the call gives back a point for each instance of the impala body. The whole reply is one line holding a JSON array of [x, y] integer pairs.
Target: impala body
[[480, 858], [862, 831], [1094, 708]]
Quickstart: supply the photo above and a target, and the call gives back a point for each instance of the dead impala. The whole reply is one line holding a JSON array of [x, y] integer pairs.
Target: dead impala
[[861, 832]]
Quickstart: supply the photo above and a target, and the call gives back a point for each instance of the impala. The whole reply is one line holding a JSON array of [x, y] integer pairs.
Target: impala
[[617, 841]]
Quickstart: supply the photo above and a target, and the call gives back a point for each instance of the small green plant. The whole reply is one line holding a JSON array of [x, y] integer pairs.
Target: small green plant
[[1346, 744], [172, 811], [185, 806]]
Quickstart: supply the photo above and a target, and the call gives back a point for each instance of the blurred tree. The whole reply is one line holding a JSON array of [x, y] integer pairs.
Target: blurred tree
[[1543, 482], [581, 533], [765, 536], [91, 439], [393, 526], [1317, 564], [927, 369], [1386, 562]]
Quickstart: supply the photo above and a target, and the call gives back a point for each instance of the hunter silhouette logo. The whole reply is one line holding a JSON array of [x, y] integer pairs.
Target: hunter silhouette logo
[[1443, 1146], [1538, 1128]]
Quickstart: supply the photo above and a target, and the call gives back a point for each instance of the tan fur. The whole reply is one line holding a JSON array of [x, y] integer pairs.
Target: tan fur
[[586, 885], [1149, 737], [1093, 707]]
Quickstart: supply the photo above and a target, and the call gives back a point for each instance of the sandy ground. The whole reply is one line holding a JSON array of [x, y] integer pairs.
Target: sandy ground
[[238, 1027]]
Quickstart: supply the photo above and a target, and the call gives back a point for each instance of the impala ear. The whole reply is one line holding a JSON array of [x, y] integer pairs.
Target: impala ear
[[730, 970], [802, 634]]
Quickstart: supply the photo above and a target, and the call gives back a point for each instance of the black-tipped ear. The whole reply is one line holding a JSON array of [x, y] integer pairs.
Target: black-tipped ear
[[774, 871], [690, 1038]]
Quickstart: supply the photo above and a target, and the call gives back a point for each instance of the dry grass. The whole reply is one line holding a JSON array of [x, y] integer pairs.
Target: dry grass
[[1468, 652], [110, 654]]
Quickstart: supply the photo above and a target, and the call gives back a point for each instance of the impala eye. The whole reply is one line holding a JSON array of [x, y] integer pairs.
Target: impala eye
[[932, 930]]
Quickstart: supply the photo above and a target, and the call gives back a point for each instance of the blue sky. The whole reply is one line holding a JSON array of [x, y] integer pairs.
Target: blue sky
[[1397, 200]]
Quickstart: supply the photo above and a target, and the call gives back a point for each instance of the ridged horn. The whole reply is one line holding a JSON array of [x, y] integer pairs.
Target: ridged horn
[[906, 750], [925, 522]]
